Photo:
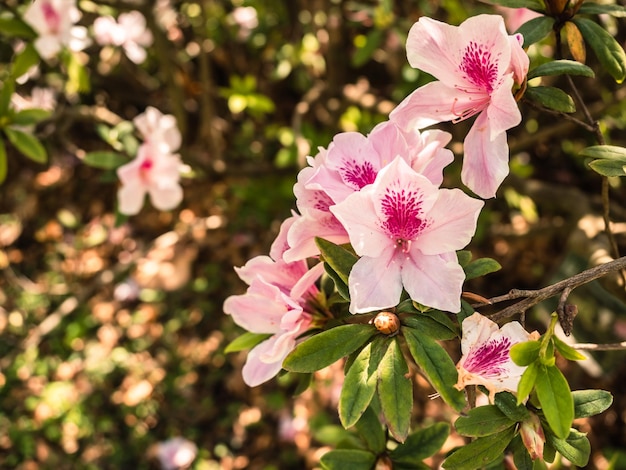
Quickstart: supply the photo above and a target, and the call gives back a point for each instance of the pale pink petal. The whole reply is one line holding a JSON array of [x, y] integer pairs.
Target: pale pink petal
[[375, 283], [519, 58], [502, 112], [166, 198], [130, 198], [48, 46], [256, 371], [301, 235]]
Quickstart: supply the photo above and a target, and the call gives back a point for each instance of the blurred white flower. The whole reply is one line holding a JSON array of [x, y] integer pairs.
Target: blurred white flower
[[40, 98], [176, 453], [159, 129], [128, 32], [246, 19]]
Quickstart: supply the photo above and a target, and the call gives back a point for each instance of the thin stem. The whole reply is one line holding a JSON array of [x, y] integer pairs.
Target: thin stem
[[600, 347]]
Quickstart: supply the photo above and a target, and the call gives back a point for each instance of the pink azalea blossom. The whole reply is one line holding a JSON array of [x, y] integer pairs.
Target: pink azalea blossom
[[406, 231], [54, 22], [154, 172], [159, 129], [277, 303], [128, 32], [486, 360], [476, 64], [176, 453], [516, 17]]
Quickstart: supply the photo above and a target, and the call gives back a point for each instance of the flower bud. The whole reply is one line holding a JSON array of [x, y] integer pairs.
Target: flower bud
[[533, 437], [387, 323]]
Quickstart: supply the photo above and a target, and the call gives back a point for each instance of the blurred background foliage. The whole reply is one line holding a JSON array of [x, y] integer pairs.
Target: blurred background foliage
[[112, 336]]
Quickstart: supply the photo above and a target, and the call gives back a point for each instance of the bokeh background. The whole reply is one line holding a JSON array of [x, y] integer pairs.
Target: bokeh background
[[112, 336]]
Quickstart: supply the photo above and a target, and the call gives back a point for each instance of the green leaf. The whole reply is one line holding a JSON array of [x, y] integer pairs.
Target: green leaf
[[372, 431], [364, 53], [3, 162], [525, 353], [245, 341], [27, 144], [360, 383], [605, 152], [77, 75], [521, 457], [567, 351], [608, 167], [551, 97], [436, 365], [507, 403], [342, 459], [105, 159], [560, 67], [536, 29], [483, 421], [340, 285], [480, 452], [30, 116], [592, 8], [421, 445], [527, 382], [24, 61], [590, 402], [15, 27], [395, 392], [432, 324], [464, 257], [556, 400], [327, 347], [480, 267], [337, 257], [531, 4], [575, 447], [609, 52], [8, 88]]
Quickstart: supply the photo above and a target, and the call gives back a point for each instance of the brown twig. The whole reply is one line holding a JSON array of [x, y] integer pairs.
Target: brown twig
[[600, 347]]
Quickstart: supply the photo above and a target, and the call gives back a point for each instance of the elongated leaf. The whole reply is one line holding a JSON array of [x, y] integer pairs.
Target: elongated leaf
[[8, 88], [326, 347], [436, 365], [30, 116], [575, 447], [340, 285], [360, 383], [556, 400], [567, 351], [431, 326], [480, 267], [480, 452], [608, 167], [483, 421], [560, 67], [575, 42], [421, 444], [507, 403], [593, 8], [246, 341], [536, 29], [27, 144], [525, 353], [531, 4], [341, 459], [337, 257], [395, 392], [607, 49], [521, 457], [605, 152], [527, 382], [552, 98], [372, 431], [464, 257], [105, 160], [15, 27], [3, 162], [24, 61], [590, 402]]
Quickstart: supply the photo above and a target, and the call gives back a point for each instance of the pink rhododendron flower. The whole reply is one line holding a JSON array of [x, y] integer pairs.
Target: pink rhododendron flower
[[516, 17], [159, 129], [486, 360], [128, 32], [476, 64], [352, 162], [54, 22], [277, 303], [406, 231], [154, 172], [176, 453]]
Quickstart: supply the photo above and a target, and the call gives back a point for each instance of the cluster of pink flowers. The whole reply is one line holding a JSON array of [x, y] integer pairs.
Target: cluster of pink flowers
[[128, 32], [381, 193]]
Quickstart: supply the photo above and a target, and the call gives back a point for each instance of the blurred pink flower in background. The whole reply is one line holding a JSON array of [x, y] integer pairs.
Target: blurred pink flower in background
[[246, 19], [159, 129], [516, 17], [176, 453], [128, 32]]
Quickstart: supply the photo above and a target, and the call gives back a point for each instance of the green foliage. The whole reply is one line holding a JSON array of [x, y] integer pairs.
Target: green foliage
[[246, 340], [371, 431], [609, 160], [340, 459], [27, 144], [483, 421], [609, 52], [536, 29], [338, 263], [590, 402], [480, 452], [105, 160], [481, 267], [420, 445], [555, 397], [560, 67], [551, 97]]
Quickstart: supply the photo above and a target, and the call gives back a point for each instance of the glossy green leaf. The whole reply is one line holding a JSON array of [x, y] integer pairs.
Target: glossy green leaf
[[371, 431], [531, 4], [556, 400], [421, 444], [525, 353], [481, 267], [608, 167], [395, 391], [342, 459], [480, 452], [245, 341], [567, 351], [8, 88], [27, 144], [560, 67], [340, 285], [434, 324], [15, 27], [609, 52], [360, 382], [507, 404], [527, 382], [436, 365], [593, 8], [575, 447], [105, 160], [536, 29], [483, 421], [327, 347], [590, 402], [3, 162], [551, 97], [337, 257], [30, 116], [605, 152], [26, 59]]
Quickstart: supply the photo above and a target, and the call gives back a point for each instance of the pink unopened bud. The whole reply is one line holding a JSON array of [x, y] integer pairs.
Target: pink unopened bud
[[533, 436]]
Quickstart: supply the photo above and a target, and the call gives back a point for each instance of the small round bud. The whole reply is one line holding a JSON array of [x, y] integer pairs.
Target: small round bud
[[387, 323]]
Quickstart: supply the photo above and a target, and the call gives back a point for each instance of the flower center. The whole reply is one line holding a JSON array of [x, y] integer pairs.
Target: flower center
[[402, 211], [479, 66], [357, 175], [487, 360], [52, 17]]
